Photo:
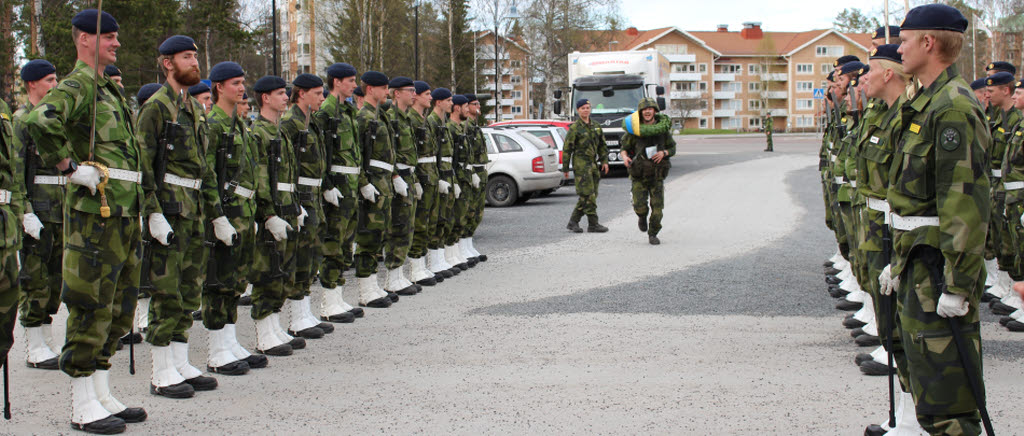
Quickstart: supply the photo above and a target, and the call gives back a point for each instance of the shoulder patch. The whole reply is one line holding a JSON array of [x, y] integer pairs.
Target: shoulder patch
[[950, 139], [72, 83], [5, 116], [1001, 130], [914, 127]]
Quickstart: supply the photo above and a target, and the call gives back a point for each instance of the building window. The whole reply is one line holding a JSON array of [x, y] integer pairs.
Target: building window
[[754, 87], [703, 123], [517, 94], [804, 68], [671, 48], [515, 80], [826, 68], [702, 68], [828, 50], [753, 69], [755, 122], [804, 104], [754, 105], [732, 87], [305, 49], [734, 105], [516, 63], [805, 121], [730, 68], [517, 110], [805, 86], [732, 123]]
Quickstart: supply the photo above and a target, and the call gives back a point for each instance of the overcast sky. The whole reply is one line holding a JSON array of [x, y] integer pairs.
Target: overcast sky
[[774, 15]]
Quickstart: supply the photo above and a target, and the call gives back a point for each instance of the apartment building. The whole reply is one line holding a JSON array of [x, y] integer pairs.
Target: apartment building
[[512, 60], [298, 21]]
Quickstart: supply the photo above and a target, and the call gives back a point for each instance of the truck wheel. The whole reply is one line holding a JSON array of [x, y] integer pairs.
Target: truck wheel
[[501, 191]]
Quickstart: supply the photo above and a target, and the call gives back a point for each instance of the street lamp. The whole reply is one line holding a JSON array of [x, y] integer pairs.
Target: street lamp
[[512, 16]]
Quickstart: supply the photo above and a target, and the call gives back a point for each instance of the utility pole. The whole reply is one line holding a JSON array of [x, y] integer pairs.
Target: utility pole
[[416, 38]]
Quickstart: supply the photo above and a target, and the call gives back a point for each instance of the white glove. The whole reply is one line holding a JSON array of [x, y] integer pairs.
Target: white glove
[[159, 228], [401, 188], [369, 192], [302, 217], [887, 281], [86, 175], [476, 181], [224, 231], [458, 191], [278, 228], [30, 222], [1022, 219], [952, 305], [443, 186], [332, 196], [417, 190]]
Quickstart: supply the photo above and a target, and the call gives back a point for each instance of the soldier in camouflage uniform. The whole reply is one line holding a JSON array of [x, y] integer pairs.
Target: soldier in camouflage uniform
[[230, 145], [939, 197], [478, 159], [1013, 183], [306, 139], [381, 184], [769, 126], [646, 150], [341, 187], [461, 188], [403, 207], [102, 232], [436, 122], [41, 254], [584, 148], [12, 208], [426, 184], [999, 253]]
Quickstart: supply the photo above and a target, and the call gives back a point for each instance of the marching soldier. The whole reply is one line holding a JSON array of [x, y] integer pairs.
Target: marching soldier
[[586, 149], [460, 156], [102, 243], [231, 150], [478, 159], [341, 186], [426, 185], [403, 207], [44, 203], [769, 126], [436, 122], [646, 150], [12, 209]]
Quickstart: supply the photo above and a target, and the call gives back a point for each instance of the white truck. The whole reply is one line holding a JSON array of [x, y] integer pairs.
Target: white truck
[[614, 82]]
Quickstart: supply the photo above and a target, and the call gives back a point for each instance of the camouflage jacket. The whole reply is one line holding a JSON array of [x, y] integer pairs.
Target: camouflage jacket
[[1002, 126], [941, 169], [240, 160], [311, 157], [426, 148], [381, 148], [842, 153], [874, 156], [478, 145], [636, 146], [445, 148], [871, 117], [1013, 164], [60, 126], [185, 157], [14, 207], [404, 136], [584, 145], [347, 151], [265, 133], [461, 151], [46, 200]]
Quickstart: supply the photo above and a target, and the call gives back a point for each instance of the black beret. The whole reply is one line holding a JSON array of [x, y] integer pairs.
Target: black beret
[[359, 91], [197, 89], [341, 70], [459, 99], [421, 86], [1000, 78], [269, 83], [978, 84], [441, 94], [147, 91], [86, 22], [374, 78], [326, 92], [894, 32], [581, 102], [845, 60], [1002, 66], [888, 52], [111, 70], [935, 16], [245, 96], [37, 69], [400, 82], [851, 67], [470, 97], [831, 76], [308, 81], [225, 70], [177, 44]]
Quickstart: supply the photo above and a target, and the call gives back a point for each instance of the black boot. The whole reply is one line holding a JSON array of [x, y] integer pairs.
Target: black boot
[[653, 240], [574, 226], [642, 223], [108, 425], [594, 226]]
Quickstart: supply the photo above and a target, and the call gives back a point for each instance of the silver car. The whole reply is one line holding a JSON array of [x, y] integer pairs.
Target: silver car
[[520, 165]]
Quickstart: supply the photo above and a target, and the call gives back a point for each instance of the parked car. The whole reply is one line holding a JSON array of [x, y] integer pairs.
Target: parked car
[[520, 165], [542, 129]]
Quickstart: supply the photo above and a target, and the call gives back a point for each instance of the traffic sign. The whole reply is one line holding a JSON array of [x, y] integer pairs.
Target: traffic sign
[[819, 93]]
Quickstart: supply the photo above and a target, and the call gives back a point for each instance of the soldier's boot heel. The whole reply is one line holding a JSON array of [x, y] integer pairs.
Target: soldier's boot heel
[[193, 376], [574, 226], [87, 413], [653, 240]]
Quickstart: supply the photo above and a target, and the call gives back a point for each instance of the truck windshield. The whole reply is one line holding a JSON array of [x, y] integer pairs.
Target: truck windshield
[[624, 100]]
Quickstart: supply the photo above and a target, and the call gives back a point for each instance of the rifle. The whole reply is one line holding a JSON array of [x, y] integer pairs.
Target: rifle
[[301, 144], [333, 143], [273, 161], [369, 139], [887, 303], [30, 244], [172, 131], [213, 282]]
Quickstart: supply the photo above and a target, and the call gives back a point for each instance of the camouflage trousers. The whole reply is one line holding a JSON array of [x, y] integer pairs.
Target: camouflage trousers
[[997, 244], [445, 217], [337, 235], [460, 210], [426, 211], [478, 203], [221, 293], [827, 197], [771, 145], [838, 226], [400, 232], [176, 272], [588, 179], [40, 275], [374, 224], [102, 261], [1015, 236], [273, 264], [308, 253], [945, 404], [849, 222], [652, 190], [8, 296]]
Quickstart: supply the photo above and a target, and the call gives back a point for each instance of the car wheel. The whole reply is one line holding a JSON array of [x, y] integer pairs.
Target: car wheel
[[502, 191]]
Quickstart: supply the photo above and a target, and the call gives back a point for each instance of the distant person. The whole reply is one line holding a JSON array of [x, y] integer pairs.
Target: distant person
[[646, 147], [584, 148], [768, 125]]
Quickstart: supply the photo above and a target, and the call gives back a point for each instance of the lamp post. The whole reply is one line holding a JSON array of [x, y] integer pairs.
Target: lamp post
[[512, 16], [273, 25], [416, 38]]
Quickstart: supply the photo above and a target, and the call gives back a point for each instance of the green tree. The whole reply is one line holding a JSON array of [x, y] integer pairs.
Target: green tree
[[852, 20]]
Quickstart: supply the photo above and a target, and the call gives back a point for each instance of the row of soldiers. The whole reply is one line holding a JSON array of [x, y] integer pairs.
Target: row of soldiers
[[190, 204], [905, 165]]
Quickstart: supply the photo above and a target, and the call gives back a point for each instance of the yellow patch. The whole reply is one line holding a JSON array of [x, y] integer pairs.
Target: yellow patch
[[1018, 133], [1000, 129], [5, 116], [844, 119], [915, 128]]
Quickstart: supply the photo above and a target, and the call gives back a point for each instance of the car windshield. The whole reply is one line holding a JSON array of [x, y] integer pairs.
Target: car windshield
[[544, 135], [624, 100], [537, 142]]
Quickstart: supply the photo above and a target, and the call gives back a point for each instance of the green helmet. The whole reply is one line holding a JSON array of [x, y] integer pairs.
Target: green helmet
[[647, 102]]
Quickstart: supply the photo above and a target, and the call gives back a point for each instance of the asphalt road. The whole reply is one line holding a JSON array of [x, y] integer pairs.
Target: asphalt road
[[725, 328]]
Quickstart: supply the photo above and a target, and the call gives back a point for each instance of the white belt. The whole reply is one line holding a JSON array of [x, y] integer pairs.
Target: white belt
[[5, 196], [181, 181], [1009, 186], [424, 160], [50, 180], [832, 157], [242, 191], [309, 181], [285, 187], [878, 204], [403, 166], [340, 169], [382, 165], [853, 183], [126, 175], [908, 223], [840, 181], [997, 173], [446, 159]]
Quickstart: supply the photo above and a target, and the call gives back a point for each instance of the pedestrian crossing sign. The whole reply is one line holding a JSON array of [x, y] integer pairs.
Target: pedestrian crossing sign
[[819, 93]]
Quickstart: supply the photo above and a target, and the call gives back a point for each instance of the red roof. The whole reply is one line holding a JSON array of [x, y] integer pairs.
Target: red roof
[[726, 43]]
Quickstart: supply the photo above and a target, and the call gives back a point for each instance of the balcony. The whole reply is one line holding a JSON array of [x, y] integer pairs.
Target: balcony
[[776, 94], [720, 113], [684, 77], [490, 72], [725, 77], [774, 77], [677, 95], [504, 102], [504, 86], [681, 58], [488, 55], [778, 112], [724, 95]]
